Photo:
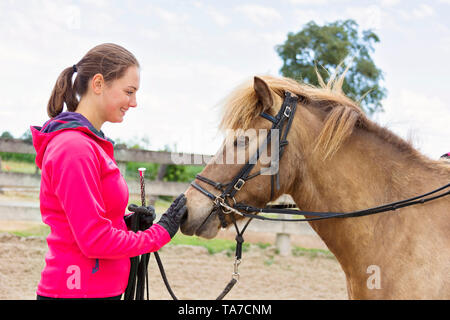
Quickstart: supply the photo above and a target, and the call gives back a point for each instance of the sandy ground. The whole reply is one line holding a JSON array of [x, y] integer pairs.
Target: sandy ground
[[194, 273]]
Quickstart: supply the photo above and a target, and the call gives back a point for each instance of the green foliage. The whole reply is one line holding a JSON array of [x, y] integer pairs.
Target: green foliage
[[212, 245], [178, 173], [311, 253], [150, 172], [18, 157], [6, 135], [36, 231], [325, 47], [181, 173], [27, 137]]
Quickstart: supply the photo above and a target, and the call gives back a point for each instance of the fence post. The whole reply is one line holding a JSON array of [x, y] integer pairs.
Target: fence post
[[283, 238], [283, 244], [159, 177], [122, 167], [1, 189]]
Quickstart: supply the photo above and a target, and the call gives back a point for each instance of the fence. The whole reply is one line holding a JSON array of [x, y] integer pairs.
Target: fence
[[154, 188]]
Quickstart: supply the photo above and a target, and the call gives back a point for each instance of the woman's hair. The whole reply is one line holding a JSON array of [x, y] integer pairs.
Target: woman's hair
[[108, 59]]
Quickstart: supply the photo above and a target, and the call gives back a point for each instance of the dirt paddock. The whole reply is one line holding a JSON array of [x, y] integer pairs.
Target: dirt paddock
[[194, 273]]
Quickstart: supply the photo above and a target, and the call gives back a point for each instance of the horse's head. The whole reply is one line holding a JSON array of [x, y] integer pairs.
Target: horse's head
[[249, 115]]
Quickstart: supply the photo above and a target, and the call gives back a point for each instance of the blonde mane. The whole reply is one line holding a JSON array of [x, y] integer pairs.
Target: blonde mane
[[241, 107]]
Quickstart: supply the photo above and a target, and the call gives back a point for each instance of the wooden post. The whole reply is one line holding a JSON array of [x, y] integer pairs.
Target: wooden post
[[122, 167], [159, 177], [283, 244]]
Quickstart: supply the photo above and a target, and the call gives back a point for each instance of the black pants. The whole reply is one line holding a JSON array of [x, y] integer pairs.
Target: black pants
[[38, 297]]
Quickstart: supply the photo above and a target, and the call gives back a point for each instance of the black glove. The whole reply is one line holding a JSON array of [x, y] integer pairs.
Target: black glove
[[173, 217], [144, 217]]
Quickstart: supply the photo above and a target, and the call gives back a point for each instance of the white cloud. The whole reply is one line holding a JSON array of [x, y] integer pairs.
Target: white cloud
[[309, 2], [169, 16], [369, 17], [303, 16], [389, 3], [423, 11], [219, 18], [419, 12], [419, 118], [259, 14]]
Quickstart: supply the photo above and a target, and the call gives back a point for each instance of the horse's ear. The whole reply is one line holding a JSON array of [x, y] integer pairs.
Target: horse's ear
[[263, 92]]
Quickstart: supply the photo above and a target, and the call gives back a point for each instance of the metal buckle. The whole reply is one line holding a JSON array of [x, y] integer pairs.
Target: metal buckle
[[239, 184], [235, 274], [286, 112]]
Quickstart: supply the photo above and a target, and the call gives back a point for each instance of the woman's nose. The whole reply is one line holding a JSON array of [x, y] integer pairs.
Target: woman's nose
[[133, 103]]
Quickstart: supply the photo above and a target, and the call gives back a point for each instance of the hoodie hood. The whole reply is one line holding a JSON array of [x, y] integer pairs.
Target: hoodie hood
[[66, 121]]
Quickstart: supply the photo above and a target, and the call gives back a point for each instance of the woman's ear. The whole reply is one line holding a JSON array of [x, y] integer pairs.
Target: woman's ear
[[263, 93], [98, 83]]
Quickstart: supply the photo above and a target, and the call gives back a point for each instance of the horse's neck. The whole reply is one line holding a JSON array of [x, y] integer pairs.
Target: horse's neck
[[364, 173]]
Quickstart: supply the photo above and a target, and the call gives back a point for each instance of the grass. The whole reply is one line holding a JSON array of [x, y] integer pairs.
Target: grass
[[37, 231], [311, 253], [16, 166], [212, 245]]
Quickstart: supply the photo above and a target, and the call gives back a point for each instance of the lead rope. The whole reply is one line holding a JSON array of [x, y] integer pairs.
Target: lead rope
[[237, 261], [138, 278]]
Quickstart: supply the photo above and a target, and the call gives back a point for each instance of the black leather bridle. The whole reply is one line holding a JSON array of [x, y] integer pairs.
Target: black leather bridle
[[281, 122]]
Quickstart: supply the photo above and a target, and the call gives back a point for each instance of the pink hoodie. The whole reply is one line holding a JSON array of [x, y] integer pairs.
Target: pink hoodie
[[83, 198]]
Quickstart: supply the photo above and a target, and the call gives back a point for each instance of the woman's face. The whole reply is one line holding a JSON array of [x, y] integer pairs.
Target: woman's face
[[120, 95]]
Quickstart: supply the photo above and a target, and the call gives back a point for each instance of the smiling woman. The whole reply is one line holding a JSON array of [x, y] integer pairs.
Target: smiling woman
[[106, 82], [83, 195]]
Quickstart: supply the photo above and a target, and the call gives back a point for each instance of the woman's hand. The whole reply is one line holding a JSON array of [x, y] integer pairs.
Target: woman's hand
[[173, 217], [144, 216]]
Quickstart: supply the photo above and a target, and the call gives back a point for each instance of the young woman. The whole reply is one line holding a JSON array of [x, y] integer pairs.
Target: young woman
[[83, 196]]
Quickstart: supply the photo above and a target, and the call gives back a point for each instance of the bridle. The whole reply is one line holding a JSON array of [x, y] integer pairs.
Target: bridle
[[281, 122]]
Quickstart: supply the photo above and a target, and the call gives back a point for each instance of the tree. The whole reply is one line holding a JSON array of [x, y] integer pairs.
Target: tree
[[27, 137], [324, 48], [6, 135]]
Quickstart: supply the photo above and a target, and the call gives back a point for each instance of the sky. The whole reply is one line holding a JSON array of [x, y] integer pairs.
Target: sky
[[193, 53]]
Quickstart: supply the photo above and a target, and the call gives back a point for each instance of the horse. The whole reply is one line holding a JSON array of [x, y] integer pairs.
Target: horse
[[338, 160]]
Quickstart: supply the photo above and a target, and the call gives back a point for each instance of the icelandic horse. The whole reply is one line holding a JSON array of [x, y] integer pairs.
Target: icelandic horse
[[340, 161]]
